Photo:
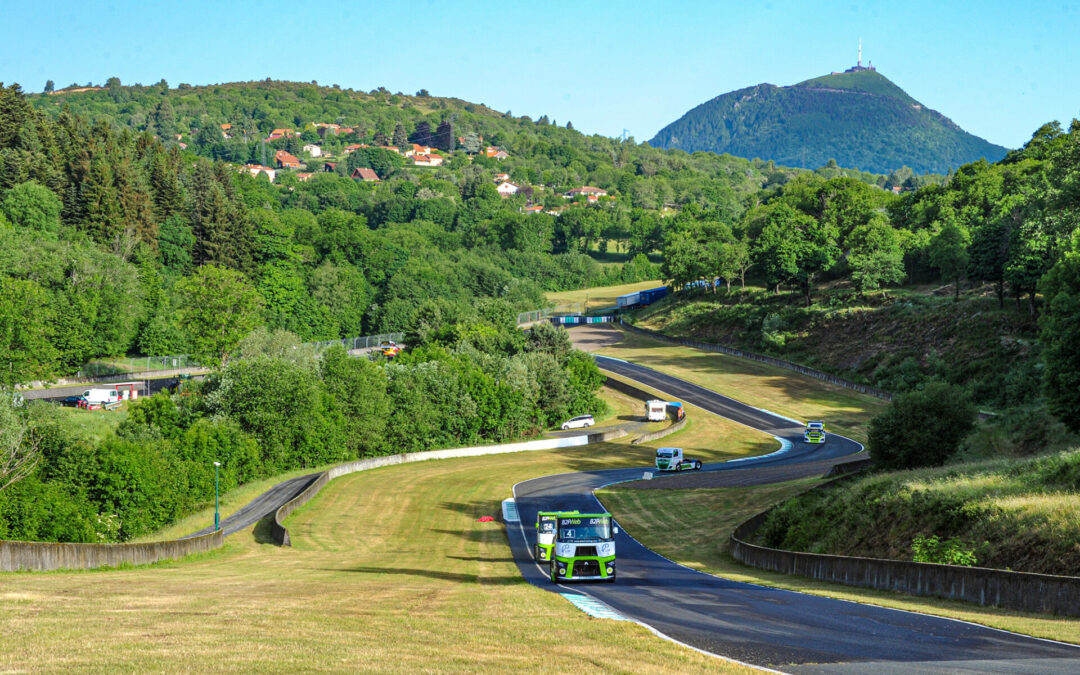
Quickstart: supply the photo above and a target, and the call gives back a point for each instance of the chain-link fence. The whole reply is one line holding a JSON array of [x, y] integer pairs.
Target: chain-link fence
[[363, 342], [557, 310], [181, 362]]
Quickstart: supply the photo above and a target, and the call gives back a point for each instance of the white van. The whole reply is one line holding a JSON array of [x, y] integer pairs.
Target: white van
[[656, 411], [100, 396]]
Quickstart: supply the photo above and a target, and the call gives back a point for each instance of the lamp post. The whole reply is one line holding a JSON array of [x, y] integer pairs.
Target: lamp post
[[217, 512]]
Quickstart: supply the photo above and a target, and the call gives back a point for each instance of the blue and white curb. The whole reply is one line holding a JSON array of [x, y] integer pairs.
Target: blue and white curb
[[593, 607]]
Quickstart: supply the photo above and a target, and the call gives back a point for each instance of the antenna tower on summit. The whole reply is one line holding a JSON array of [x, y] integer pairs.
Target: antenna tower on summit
[[860, 53]]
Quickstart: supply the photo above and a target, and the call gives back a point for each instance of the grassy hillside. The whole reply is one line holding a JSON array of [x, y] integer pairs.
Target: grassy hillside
[[1008, 514], [890, 341], [862, 120]]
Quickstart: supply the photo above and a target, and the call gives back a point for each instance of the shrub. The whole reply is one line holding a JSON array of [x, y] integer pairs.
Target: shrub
[[950, 552], [922, 427]]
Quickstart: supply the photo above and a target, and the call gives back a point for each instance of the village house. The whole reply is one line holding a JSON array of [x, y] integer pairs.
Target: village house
[[284, 160], [427, 160], [225, 131], [495, 152], [256, 169], [391, 148], [183, 146], [506, 188], [418, 150], [349, 148], [313, 150], [280, 133], [533, 208], [303, 177], [502, 177], [329, 167], [367, 175], [590, 191]]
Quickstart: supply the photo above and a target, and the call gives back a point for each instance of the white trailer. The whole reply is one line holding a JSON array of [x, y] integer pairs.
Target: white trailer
[[656, 411]]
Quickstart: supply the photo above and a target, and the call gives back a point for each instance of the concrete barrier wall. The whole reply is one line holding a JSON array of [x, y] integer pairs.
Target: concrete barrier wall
[[281, 533], [1021, 591], [45, 556], [761, 358], [660, 433]]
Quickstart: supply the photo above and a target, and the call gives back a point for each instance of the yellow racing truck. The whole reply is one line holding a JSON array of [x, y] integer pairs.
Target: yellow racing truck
[[815, 432]]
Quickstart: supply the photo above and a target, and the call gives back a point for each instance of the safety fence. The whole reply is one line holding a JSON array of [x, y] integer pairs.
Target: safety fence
[[364, 342], [1023, 591], [141, 366], [558, 310], [761, 358]]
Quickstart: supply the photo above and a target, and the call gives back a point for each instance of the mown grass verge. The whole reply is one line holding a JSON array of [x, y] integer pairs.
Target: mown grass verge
[[390, 571], [756, 384], [693, 527]]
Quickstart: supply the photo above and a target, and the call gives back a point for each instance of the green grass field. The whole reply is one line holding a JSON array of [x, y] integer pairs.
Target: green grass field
[[600, 297]]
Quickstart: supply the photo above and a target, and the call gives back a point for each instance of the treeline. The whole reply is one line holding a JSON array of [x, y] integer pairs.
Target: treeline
[[279, 406]]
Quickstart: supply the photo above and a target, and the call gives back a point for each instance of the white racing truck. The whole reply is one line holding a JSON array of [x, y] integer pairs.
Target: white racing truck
[[672, 459]]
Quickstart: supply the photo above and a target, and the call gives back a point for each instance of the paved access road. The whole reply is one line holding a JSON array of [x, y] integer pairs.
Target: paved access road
[[262, 506], [762, 626]]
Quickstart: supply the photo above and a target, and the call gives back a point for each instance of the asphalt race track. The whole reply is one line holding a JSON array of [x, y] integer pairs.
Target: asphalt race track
[[761, 626]]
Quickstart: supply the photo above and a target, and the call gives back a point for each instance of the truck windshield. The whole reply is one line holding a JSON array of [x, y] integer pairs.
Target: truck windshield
[[584, 529], [547, 523], [667, 453]]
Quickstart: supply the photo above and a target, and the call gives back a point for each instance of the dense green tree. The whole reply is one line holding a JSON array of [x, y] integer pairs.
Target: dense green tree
[[948, 253], [876, 258], [26, 349], [922, 427], [34, 207], [1060, 335], [218, 308]]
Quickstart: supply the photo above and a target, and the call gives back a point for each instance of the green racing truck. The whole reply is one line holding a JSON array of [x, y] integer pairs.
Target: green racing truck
[[546, 524], [584, 548]]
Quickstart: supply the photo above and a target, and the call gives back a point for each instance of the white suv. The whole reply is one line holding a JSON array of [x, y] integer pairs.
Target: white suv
[[579, 422]]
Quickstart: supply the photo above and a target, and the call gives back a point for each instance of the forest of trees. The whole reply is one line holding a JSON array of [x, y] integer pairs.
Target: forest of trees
[[116, 241]]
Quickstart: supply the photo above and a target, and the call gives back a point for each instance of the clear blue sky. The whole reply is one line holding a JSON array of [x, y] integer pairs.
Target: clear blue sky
[[998, 69]]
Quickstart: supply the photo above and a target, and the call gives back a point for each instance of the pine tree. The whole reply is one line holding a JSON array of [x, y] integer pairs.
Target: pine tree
[[49, 86], [444, 136], [422, 135], [401, 139]]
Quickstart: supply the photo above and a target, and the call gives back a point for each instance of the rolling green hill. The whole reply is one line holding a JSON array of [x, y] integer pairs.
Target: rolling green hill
[[861, 119]]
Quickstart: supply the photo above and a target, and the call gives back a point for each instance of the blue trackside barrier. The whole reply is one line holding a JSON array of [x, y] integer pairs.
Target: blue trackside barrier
[[580, 320]]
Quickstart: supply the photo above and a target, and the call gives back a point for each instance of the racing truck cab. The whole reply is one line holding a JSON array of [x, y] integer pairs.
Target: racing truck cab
[[546, 524], [815, 432], [672, 459], [584, 548]]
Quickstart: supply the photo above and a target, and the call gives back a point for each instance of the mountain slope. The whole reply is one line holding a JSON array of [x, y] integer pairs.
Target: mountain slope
[[860, 119]]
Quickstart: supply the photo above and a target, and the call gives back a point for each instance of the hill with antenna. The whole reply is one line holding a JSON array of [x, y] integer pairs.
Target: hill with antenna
[[858, 117]]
